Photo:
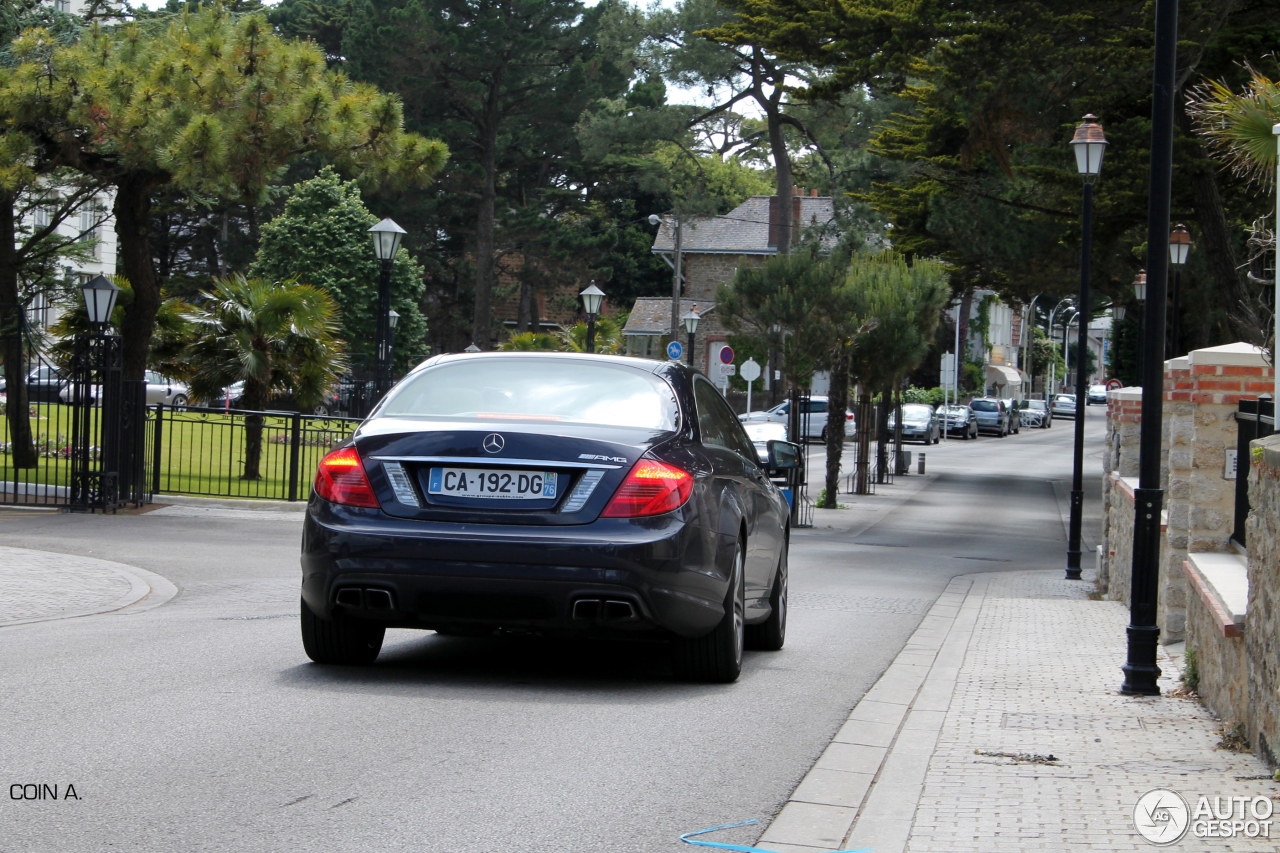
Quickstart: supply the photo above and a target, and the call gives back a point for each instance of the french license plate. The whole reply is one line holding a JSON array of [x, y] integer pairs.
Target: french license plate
[[492, 483]]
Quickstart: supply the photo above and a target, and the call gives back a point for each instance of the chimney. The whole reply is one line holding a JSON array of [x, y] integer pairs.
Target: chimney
[[796, 190], [813, 193]]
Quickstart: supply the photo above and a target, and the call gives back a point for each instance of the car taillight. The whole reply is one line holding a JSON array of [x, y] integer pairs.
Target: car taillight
[[341, 479], [651, 488], [848, 416]]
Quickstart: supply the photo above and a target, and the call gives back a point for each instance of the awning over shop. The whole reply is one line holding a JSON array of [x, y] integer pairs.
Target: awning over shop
[[998, 374]]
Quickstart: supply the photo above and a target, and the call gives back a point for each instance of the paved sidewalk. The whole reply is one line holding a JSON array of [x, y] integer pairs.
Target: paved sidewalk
[[949, 751], [36, 586]]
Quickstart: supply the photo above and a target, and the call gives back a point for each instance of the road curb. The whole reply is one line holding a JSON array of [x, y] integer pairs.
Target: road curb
[[147, 590], [230, 503], [864, 789]]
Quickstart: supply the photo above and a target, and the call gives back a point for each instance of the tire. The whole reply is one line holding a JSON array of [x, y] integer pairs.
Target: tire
[[348, 642], [179, 401], [823, 436], [321, 411], [716, 658], [771, 634], [966, 435]]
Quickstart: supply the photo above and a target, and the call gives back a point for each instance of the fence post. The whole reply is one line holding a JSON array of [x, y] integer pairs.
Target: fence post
[[156, 445], [295, 451]]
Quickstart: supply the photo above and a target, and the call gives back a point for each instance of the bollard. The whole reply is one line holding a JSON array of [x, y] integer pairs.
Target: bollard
[[920, 464]]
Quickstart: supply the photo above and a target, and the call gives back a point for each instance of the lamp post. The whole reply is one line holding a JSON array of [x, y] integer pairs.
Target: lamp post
[[1027, 324], [591, 299], [1179, 248], [393, 320], [386, 242], [690, 321], [96, 378], [1066, 349], [1089, 144], [1052, 374], [1140, 293], [1141, 673]]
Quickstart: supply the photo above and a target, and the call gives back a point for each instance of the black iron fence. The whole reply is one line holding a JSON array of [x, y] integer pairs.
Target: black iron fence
[[233, 453], [1254, 419]]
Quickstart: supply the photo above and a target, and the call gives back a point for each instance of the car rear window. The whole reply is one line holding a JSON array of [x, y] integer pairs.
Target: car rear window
[[982, 406], [501, 389]]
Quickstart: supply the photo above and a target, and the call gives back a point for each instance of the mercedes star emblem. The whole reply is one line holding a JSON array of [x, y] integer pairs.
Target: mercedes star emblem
[[493, 443]]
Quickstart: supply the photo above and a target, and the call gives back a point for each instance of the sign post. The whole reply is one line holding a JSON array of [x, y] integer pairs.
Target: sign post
[[947, 375], [750, 372]]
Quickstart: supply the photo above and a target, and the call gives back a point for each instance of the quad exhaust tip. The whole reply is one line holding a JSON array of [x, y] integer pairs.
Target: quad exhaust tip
[[603, 610], [365, 599]]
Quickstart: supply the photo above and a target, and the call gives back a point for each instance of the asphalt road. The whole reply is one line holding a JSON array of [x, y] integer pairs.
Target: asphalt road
[[200, 725]]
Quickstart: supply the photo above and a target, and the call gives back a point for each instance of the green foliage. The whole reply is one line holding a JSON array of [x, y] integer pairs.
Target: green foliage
[[1237, 125], [322, 239], [905, 303], [931, 396], [608, 337], [532, 342], [276, 337], [1190, 670]]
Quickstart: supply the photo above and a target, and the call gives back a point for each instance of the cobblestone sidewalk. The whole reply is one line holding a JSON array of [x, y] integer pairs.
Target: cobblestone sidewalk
[[1001, 728], [36, 586]]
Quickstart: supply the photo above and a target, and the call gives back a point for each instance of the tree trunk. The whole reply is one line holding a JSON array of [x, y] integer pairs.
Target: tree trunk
[[525, 319], [782, 170], [882, 436], [133, 233], [863, 427], [22, 451], [255, 399], [899, 459], [837, 402], [482, 322]]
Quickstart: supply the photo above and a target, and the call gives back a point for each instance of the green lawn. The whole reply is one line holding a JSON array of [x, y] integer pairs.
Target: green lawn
[[199, 453]]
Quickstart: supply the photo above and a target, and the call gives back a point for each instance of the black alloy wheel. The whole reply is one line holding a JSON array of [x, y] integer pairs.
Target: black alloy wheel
[[340, 641], [771, 634], [716, 658]]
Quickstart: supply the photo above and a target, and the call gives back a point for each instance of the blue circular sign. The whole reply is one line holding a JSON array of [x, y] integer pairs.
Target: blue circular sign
[[674, 350]]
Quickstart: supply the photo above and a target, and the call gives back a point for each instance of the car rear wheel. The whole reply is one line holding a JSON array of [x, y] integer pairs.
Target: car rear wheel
[[771, 634], [717, 657], [179, 401], [336, 641]]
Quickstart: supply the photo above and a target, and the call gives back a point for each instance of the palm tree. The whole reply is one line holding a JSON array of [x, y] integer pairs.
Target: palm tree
[[275, 337], [608, 337], [531, 342], [1236, 126]]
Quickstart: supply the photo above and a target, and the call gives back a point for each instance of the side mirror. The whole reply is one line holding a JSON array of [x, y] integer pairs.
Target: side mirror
[[783, 455]]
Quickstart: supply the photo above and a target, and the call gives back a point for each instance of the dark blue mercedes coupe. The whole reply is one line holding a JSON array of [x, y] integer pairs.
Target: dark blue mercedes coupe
[[553, 493]]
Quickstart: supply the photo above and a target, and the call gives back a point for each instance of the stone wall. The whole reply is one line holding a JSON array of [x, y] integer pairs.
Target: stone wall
[[1219, 651], [1120, 472], [1262, 634]]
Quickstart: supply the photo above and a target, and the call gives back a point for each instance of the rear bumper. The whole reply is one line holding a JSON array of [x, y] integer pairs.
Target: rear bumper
[[365, 564]]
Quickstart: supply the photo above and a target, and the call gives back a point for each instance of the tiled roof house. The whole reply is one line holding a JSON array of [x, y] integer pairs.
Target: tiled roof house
[[712, 249]]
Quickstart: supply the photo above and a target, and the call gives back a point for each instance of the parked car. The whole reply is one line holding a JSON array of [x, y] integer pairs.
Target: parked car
[[1063, 406], [232, 397], [1035, 413], [960, 420], [813, 417], [566, 493], [991, 416], [44, 384], [1015, 418], [919, 423], [159, 390], [1097, 394], [763, 432]]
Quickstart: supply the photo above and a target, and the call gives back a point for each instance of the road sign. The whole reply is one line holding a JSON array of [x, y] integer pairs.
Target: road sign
[[674, 350], [947, 372], [726, 355], [728, 369], [750, 370], [1113, 384]]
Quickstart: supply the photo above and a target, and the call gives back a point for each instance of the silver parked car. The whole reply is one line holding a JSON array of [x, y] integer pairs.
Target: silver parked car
[[1035, 414], [159, 390], [1063, 406], [919, 423], [991, 415]]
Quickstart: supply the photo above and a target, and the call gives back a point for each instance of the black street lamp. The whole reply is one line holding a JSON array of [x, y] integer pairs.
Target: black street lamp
[[393, 320], [690, 321], [591, 299], [1089, 144], [1141, 673], [1179, 249], [386, 242], [1140, 293], [96, 378]]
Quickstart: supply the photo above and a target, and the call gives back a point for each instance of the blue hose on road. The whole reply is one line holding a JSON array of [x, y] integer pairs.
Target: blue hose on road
[[688, 838]]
